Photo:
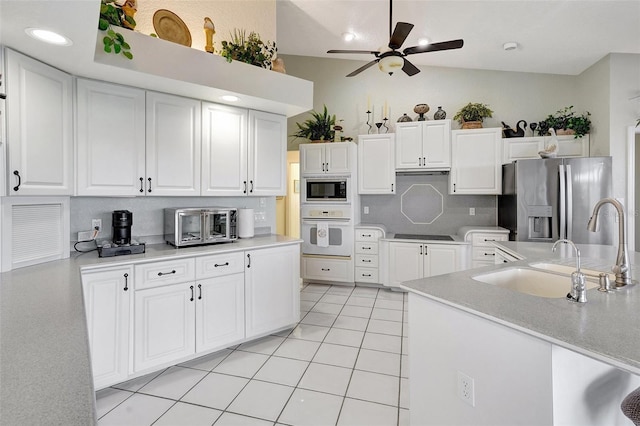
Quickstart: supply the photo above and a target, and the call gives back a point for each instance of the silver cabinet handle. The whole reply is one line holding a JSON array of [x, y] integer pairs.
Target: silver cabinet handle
[[149, 190], [249, 261], [166, 273], [141, 184], [244, 191], [17, 174], [366, 275], [191, 287], [221, 264], [126, 282], [199, 291], [366, 260], [251, 190], [326, 269]]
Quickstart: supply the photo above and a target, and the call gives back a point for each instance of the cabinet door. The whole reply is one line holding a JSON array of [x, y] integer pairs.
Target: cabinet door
[[441, 259], [267, 154], [337, 158], [569, 146], [312, 158], [272, 289], [39, 128], [406, 262], [111, 139], [224, 150], [376, 164], [164, 325], [521, 148], [476, 162], [436, 137], [107, 296], [408, 145], [173, 145], [219, 311]]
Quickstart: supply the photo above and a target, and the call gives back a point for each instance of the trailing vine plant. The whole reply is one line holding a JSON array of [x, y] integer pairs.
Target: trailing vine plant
[[112, 14]]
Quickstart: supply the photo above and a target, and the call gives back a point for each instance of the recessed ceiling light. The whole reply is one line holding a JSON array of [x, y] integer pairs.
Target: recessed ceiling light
[[348, 36], [510, 45], [423, 41], [230, 98], [48, 36]]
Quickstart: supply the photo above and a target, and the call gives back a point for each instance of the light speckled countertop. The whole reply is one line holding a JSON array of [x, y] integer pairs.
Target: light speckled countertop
[[604, 328], [45, 370]]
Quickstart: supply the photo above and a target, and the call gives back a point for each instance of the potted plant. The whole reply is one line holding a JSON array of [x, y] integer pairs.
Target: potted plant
[[471, 115], [250, 49], [319, 128], [566, 122], [113, 14]]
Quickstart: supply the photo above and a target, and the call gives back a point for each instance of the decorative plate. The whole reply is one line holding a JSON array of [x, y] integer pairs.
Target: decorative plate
[[170, 27]]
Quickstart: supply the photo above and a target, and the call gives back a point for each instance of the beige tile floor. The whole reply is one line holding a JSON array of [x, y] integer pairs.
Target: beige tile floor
[[345, 363]]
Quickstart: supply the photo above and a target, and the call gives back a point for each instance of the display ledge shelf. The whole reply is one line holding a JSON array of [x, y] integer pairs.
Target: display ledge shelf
[[157, 64], [172, 68]]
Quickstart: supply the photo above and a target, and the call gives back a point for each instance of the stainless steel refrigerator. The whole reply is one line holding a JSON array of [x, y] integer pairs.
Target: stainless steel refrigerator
[[548, 199]]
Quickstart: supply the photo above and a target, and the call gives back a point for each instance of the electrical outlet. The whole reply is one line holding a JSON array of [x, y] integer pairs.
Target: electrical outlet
[[472, 211], [96, 224], [466, 389], [366, 209]]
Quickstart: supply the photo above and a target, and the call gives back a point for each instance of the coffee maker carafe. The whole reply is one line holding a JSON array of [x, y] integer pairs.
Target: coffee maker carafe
[[121, 221]]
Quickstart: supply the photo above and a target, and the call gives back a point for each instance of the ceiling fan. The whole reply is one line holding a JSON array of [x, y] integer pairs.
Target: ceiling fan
[[391, 60]]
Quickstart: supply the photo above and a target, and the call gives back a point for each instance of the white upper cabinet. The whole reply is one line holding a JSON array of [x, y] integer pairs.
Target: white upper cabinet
[[524, 148], [326, 158], [376, 165], [224, 150], [173, 145], [244, 152], [423, 145], [39, 128], [267, 162], [111, 139], [476, 161]]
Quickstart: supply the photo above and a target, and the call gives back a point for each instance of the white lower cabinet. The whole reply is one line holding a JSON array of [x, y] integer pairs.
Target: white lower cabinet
[[107, 301], [411, 261], [164, 325], [272, 289], [327, 268]]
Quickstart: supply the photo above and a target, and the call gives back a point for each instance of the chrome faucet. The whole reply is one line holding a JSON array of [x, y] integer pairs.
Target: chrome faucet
[[578, 287], [621, 268]]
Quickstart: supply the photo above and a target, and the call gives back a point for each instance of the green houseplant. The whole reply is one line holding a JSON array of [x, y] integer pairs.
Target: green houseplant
[[112, 14], [472, 115], [249, 49], [320, 127], [566, 121]]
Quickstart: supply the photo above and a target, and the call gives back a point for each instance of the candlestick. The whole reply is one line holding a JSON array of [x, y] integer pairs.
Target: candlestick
[[368, 117], [386, 129]]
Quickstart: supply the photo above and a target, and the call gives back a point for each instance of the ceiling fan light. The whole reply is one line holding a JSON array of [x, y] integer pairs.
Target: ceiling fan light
[[348, 36], [423, 41], [391, 64]]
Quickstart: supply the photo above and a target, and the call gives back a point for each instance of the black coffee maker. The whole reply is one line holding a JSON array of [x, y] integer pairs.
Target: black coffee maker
[[121, 222]]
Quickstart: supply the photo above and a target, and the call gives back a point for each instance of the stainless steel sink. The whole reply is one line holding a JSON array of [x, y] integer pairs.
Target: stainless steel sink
[[535, 282]]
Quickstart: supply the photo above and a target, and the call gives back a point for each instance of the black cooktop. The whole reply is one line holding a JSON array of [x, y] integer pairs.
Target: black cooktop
[[423, 237]]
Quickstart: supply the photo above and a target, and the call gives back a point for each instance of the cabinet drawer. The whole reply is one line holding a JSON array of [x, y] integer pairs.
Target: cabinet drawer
[[366, 275], [219, 264], [483, 254], [368, 234], [326, 269], [366, 248], [163, 273], [487, 239], [367, 261]]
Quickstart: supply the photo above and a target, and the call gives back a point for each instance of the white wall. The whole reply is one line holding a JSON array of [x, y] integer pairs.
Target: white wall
[[512, 96], [594, 93], [251, 15]]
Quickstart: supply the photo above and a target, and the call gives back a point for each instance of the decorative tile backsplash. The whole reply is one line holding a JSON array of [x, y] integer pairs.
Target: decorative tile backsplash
[[422, 205]]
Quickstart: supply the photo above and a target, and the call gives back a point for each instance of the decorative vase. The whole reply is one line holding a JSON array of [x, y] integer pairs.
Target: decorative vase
[[404, 119], [421, 109], [472, 125], [440, 114], [560, 132]]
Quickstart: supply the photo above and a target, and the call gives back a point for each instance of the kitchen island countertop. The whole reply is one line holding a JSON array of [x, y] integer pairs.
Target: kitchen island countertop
[[45, 368], [604, 328]]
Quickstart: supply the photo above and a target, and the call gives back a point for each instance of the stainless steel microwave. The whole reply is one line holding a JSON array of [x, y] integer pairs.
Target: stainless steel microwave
[[193, 226], [326, 189]]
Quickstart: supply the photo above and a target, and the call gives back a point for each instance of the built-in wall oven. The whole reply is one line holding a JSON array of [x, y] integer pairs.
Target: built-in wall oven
[[326, 189], [327, 230]]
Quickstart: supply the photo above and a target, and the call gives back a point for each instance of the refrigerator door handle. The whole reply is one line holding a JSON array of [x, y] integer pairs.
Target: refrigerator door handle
[[562, 202], [569, 202]]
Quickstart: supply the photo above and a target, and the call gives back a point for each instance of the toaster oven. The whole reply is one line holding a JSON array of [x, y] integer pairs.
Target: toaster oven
[[193, 226]]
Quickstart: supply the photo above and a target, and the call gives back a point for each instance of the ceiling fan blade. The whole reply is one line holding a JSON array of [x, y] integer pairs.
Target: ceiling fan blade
[[409, 68], [353, 51], [400, 34], [434, 47], [364, 67]]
